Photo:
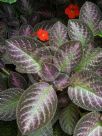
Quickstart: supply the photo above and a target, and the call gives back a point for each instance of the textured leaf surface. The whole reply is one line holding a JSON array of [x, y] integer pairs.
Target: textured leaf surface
[[58, 34], [89, 125], [21, 52], [91, 60], [49, 72], [91, 15], [26, 30], [78, 31], [68, 56], [86, 90], [17, 81], [45, 131], [68, 118], [61, 82], [36, 107], [8, 103]]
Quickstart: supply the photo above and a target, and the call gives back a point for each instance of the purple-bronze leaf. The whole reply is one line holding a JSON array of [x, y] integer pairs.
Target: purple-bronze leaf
[[17, 81], [91, 15], [85, 90], [69, 118], [2, 65], [68, 56], [8, 103], [58, 34], [61, 82], [26, 30], [49, 72], [78, 31], [36, 107], [89, 125], [21, 52], [91, 60]]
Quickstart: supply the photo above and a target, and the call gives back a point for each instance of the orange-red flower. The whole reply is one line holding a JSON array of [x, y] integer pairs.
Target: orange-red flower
[[72, 11], [42, 35]]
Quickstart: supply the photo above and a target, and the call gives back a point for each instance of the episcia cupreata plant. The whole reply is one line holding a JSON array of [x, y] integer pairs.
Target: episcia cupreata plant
[[71, 63]]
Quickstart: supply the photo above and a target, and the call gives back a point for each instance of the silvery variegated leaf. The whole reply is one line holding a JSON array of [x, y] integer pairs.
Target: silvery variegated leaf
[[45, 131], [68, 56], [8, 103], [61, 82], [89, 125], [85, 90], [69, 118], [21, 52], [92, 60], [36, 107], [91, 15], [26, 30], [58, 34], [79, 31], [16, 80], [49, 72]]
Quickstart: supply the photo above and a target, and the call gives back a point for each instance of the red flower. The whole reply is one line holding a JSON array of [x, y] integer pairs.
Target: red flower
[[42, 35], [72, 11]]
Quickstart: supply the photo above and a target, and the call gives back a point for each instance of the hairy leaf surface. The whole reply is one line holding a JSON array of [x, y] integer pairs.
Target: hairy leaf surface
[[91, 60], [17, 81], [8, 103], [58, 34], [86, 90], [36, 107], [21, 52], [91, 15], [68, 56], [89, 125], [78, 31], [68, 118]]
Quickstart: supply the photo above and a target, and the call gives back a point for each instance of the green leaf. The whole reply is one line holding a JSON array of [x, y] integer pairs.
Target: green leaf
[[9, 1], [91, 60], [8, 103], [85, 90], [91, 15], [78, 31], [58, 34], [89, 125], [68, 56], [68, 118], [21, 52], [36, 107]]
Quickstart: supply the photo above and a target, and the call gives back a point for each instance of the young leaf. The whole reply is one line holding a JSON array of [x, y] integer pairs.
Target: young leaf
[[91, 60], [21, 52], [68, 56], [91, 15], [36, 107], [78, 31], [26, 30], [69, 118], [8, 103], [61, 82], [17, 81], [89, 125], [58, 34], [49, 72], [85, 90]]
